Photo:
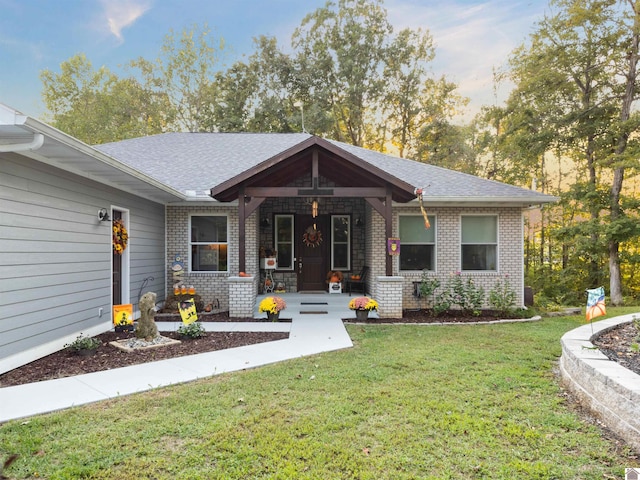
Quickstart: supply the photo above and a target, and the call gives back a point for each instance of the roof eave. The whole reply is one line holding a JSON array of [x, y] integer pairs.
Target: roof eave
[[101, 157], [520, 201]]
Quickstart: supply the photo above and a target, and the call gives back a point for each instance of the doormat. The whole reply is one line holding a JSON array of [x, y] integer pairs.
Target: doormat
[[314, 303], [314, 312]]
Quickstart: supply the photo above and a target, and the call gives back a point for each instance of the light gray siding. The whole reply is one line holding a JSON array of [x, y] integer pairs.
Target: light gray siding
[[55, 255]]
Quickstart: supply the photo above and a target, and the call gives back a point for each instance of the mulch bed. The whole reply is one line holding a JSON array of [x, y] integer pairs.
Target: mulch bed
[[65, 363], [427, 316], [617, 345]]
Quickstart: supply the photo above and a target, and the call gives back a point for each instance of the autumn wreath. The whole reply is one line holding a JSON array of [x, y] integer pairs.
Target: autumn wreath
[[120, 237], [312, 237]]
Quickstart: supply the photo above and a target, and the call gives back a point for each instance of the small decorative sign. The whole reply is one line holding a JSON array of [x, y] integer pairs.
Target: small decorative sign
[[188, 311], [123, 317], [177, 267], [393, 246]]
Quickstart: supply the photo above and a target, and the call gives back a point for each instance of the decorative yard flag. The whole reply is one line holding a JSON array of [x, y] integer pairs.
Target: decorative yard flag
[[393, 246], [595, 303], [188, 311], [123, 315]]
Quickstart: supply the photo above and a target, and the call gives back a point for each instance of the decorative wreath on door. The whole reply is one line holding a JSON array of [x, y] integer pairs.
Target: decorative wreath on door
[[312, 237], [120, 237]]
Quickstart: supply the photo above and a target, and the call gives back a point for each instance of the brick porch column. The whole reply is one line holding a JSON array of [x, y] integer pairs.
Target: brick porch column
[[242, 296], [388, 293]]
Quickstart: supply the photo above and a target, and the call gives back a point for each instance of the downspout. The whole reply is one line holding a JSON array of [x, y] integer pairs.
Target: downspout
[[35, 144]]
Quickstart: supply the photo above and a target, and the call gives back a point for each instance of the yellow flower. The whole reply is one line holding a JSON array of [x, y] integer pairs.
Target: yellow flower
[[120, 237], [272, 305], [363, 303]]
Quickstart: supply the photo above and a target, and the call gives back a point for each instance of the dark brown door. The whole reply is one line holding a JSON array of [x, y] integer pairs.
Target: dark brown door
[[312, 238], [116, 272]]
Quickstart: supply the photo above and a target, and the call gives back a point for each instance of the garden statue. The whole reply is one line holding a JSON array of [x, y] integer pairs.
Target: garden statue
[[147, 328]]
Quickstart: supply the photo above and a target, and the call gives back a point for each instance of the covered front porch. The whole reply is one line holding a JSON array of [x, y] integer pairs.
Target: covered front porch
[[244, 300], [313, 306], [319, 209]]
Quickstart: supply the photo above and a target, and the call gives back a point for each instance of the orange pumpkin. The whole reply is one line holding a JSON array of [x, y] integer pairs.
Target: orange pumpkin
[[335, 279], [243, 274]]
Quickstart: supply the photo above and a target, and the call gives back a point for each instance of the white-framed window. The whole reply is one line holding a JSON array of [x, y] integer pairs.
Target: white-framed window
[[283, 241], [417, 243], [208, 242], [340, 242], [479, 242]]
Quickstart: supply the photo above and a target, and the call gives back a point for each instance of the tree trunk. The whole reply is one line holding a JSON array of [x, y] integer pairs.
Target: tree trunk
[[615, 278], [615, 284]]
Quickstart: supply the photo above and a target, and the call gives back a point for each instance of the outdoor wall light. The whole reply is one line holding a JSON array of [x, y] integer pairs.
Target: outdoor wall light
[[103, 215], [359, 222], [265, 223]]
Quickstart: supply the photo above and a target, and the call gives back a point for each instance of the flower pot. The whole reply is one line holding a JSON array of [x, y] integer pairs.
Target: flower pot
[[362, 314], [273, 317]]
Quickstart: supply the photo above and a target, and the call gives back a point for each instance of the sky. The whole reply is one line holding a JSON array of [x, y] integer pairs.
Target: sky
[[472, 37]]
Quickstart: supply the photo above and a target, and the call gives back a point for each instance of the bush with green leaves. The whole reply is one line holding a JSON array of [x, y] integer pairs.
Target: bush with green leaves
[[192, 330], [427, 286], [502, 296], [457, 292], [83, 343]]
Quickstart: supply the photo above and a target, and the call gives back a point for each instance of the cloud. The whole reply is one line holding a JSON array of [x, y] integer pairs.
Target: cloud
[[121, 14]]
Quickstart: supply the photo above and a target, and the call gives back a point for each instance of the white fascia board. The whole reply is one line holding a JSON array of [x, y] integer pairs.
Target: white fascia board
[[75, 144], [484, 201]]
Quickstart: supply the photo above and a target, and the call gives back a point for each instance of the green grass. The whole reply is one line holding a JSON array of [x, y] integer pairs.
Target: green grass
[[407, 402]]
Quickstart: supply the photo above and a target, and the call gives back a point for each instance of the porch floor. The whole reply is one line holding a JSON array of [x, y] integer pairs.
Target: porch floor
[[311, 331], [312, 305]]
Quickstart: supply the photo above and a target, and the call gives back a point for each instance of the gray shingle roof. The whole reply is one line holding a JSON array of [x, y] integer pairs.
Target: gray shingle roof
[[200, 161], [441, 182]]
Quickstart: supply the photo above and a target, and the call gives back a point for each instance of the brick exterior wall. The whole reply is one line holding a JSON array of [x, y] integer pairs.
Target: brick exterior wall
[[213, 287], [376, 249], [368, 247], [242, 296], [389, 296], [448, 250], [327, 206]]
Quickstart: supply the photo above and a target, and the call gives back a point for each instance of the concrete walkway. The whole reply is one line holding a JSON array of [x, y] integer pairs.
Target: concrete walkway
[[316, 327]]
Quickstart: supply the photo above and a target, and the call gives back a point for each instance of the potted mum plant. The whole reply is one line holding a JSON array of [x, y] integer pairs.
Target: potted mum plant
[[362, 306], [272, 306]]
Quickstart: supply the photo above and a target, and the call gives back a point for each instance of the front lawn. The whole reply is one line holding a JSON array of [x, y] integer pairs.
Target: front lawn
[[407, 402]]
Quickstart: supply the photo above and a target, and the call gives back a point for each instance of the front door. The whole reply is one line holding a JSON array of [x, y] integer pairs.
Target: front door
[[116, 272], [312, 246]]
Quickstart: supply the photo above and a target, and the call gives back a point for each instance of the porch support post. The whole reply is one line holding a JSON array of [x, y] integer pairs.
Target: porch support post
[[388, 230], [242, 237], [243, 292], [388, 293], [385, 209]]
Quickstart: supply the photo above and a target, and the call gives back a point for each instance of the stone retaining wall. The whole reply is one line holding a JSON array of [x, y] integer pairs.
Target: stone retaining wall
[[609, 390]]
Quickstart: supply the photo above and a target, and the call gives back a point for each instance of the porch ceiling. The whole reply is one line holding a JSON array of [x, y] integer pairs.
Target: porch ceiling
[[336, 165]]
